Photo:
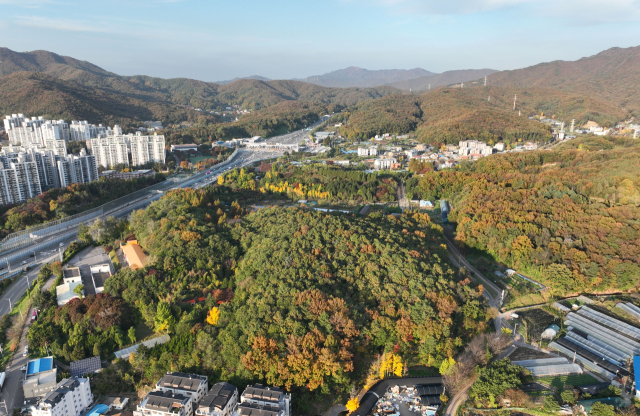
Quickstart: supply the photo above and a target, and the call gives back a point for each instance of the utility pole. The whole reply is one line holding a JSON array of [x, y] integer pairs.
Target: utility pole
[[515, 97], [489, 99]]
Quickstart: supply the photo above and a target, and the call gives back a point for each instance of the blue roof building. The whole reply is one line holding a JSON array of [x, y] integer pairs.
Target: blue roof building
[[636, 370]]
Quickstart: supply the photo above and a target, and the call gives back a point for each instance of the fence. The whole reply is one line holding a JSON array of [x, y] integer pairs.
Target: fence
[[37, 247]]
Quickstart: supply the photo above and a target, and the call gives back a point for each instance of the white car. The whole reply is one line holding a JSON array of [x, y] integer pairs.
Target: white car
[[26, 351]]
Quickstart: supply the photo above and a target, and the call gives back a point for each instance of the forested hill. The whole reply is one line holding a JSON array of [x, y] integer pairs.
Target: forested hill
[[248, 93], [38, 94], [612, 75], [300, 299], [360, 77], [484, 113], [567, 217]]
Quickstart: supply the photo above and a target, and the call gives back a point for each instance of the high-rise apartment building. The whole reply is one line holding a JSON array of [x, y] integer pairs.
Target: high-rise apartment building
[[19, 179], [77, 169], [110, 151], [145, 149], [35, 130], [82, 130]]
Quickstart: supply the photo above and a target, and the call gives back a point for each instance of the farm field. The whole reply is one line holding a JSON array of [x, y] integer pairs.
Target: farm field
[[560, 382]]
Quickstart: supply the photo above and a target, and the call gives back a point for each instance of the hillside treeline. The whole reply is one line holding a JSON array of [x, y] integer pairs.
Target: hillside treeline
[[449, 115], [567, 217]]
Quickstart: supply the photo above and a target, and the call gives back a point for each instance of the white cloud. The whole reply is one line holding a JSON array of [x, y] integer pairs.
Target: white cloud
[[589, 10]]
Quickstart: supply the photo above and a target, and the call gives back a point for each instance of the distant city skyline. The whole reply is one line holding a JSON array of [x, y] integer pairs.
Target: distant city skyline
[[283, 39]]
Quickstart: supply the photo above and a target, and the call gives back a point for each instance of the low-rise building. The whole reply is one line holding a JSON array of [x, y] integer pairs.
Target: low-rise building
[[71, 275], [259, 400], [220, 401], [70, 398], [133, 254], [184, 147], [368, 151], [40, 378], [193, 386], [116, 403], [66, 292], [386, 163], [99, 274], [164, 403]]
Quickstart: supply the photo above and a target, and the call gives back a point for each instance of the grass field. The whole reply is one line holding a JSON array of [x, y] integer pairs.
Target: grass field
[[560, 382], [196, 159]]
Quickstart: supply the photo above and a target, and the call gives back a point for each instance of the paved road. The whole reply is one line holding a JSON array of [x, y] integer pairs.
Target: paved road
[[12, 391]]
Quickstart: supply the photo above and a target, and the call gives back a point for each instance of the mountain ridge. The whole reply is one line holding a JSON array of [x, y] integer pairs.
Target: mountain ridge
[[443, 79], [354, 76]]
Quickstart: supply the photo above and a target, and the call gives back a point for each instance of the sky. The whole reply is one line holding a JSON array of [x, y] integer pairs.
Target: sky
[[214, 40]]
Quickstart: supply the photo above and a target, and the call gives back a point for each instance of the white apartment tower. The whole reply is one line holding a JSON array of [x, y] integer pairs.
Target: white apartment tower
[[145, 149], [35, 130], [77, 169], [110, 151], [82, 130], [19, 179], [71, 397]]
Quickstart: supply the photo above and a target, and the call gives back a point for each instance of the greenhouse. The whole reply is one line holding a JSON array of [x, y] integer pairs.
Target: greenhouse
[[555, 370]]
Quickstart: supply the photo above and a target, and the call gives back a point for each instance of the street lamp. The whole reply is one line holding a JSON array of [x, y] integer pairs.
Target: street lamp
[[35, 258]]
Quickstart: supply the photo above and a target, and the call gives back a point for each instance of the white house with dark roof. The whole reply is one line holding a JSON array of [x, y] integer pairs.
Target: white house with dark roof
[[164, 403], [220, 401], [193, 386]]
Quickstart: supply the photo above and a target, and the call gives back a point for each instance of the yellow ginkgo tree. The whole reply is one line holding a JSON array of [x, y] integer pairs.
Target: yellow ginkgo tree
[[213, 316]]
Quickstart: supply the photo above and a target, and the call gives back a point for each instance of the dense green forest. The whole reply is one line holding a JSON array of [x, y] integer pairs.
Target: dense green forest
[[449, 115], [317, 182], [58, 203], [568, 217], [294, 297]]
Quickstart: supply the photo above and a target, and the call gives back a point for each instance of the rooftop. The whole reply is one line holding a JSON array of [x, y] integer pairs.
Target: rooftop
[[260, 392], [163, 401], [39, 365], [71, 272], [65, 293], [182, 381], [246, 409], [134, 254], [218, 397]]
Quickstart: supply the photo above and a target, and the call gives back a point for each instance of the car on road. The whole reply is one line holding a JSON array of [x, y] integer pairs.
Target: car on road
[[26, 351], [23, 262]]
